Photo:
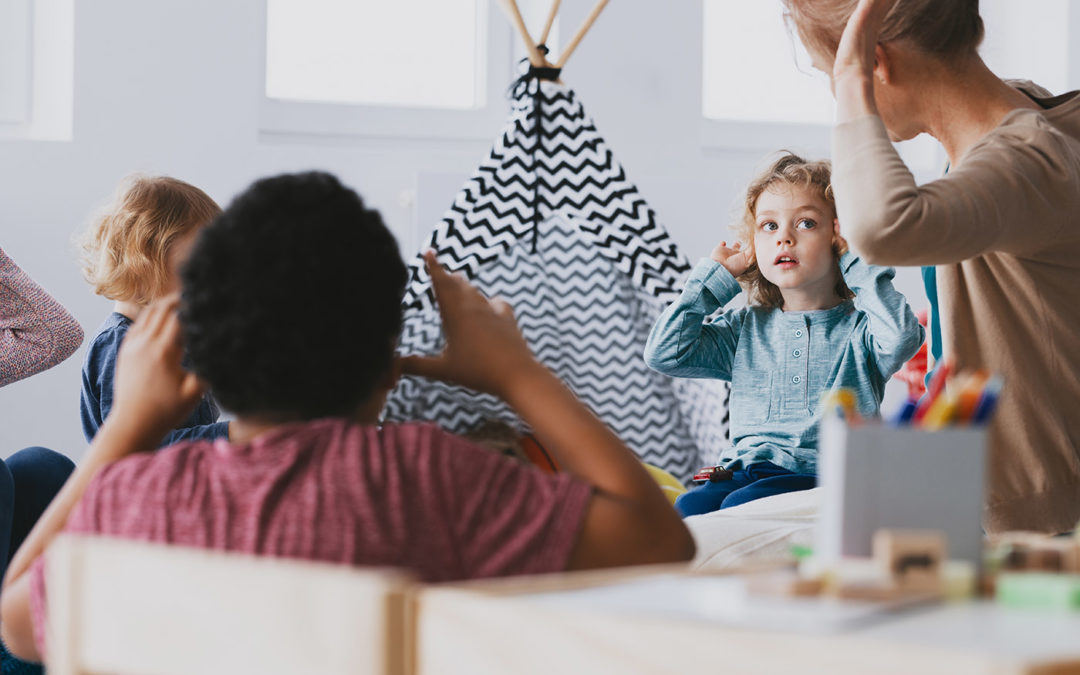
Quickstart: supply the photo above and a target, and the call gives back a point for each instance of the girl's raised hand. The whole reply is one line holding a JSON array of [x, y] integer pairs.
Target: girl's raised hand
[[736, 260]]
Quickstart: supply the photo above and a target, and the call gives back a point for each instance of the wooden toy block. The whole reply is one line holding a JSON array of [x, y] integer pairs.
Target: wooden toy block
[[959, 580], [861, 579], [911, 559], [786, 583], [869, 592]]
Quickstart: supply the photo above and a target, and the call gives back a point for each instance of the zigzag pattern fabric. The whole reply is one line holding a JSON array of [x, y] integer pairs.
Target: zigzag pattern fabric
[[549, 223]]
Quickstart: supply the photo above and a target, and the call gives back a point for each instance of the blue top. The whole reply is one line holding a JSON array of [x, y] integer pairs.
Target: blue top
[[779, 363], [929, 277], [99, 372]]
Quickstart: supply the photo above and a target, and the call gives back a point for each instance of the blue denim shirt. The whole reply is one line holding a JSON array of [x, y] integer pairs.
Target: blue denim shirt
[[96, 397], [779, 363]]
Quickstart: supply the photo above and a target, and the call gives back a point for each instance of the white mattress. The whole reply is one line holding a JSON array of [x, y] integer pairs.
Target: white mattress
[[758, 532]]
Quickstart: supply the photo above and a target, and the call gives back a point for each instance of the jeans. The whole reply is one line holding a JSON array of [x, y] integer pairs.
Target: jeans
[[29, 480], [755, 481]]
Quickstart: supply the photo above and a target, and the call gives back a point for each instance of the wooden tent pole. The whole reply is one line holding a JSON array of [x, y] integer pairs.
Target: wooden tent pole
[[511, 9], [550, 21], [572, 45]]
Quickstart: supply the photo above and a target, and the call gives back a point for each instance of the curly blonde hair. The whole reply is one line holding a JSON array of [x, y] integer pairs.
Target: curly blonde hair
[[126, 248], [789, 169]]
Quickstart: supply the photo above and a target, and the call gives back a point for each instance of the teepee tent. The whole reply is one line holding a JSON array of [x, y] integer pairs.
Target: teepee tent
[[550, 223]]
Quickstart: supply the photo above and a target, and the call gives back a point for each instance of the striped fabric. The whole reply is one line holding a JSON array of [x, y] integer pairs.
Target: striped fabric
[[550, 223]]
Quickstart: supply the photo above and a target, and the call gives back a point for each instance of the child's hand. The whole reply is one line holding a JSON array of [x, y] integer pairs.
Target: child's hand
[[484, 348], [733, 258], [153, 393]]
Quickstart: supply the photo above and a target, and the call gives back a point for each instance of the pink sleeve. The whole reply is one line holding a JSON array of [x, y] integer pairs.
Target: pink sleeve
[[37, 603], [79, 521], [36, 332], [507, 517]]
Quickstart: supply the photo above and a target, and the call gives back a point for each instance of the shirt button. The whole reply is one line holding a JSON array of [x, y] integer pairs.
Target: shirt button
[[797, 353], [796, 379], [798, 332]]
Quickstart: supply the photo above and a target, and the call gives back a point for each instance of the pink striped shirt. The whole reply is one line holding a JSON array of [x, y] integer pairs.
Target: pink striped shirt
[[408, 495]]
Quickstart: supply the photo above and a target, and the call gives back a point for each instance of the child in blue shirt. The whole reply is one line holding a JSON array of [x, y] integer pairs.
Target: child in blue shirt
[[818, 319], [134, 252]]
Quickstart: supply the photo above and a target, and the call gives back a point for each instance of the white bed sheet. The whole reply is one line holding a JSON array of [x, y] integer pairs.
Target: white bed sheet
[[760, 532]]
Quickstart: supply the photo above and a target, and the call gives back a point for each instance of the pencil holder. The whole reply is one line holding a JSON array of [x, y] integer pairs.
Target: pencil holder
[[877, 476]]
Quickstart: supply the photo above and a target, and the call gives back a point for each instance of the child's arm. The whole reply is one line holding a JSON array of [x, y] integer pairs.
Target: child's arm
[[628, 520], [96, 402], [153, 394], [203, 432], [681, 343], [36, 332], [894, 333]]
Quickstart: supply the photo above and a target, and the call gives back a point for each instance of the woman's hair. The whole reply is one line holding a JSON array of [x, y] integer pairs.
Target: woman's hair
[[126, 248], [291, 300], [939, 27], [788, 169]]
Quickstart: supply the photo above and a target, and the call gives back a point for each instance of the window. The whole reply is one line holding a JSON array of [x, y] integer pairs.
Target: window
[[406, 53], [15, 61], [759, 92], [1028, 41], [37, 64], [755, 71], [408, 68]]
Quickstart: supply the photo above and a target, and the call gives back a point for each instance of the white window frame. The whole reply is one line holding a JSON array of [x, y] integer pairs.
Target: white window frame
[[313, 118], [720, 135], [45, 87], [16, 62]]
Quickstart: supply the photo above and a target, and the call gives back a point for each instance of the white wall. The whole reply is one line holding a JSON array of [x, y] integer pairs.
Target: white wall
[[173, 87]]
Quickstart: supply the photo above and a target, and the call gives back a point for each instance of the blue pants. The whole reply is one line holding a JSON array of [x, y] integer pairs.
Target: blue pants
[[29, 480], [755, 481]]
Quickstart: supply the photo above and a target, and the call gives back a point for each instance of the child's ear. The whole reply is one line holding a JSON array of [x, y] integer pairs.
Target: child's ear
[[840, 245]]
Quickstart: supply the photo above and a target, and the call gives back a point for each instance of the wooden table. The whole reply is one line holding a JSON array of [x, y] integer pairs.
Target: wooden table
[[665, 621]]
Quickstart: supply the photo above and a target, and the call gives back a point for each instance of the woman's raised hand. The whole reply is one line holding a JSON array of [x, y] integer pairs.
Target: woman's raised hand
[[856, 58], [856, 54]]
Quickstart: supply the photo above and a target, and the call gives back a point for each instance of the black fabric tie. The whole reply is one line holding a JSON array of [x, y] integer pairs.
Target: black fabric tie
[[521, 86]]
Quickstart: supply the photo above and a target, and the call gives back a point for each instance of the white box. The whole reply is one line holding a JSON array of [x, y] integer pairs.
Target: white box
[[878, 476]]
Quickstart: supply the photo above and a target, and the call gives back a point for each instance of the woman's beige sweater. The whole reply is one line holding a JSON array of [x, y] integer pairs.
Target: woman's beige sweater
[[1003, 229]]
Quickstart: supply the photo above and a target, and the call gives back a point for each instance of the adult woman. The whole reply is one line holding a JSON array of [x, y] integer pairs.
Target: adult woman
[[36, 333], [1001, 226]]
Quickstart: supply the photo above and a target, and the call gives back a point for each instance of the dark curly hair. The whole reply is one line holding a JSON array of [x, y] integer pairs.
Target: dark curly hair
[[291, 301]]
